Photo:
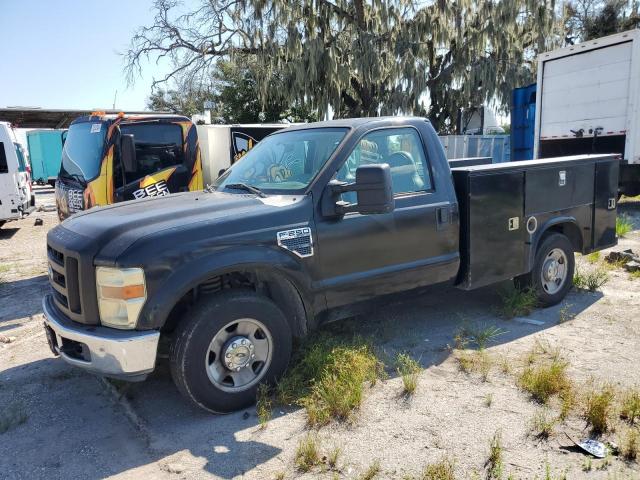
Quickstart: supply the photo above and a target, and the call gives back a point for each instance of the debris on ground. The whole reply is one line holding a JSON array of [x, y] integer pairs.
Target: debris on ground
[[625, 258], [5, 339], [593, 447], [39, 222], [47, 208]]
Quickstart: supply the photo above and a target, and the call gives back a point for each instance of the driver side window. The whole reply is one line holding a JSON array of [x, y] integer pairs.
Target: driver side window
[[401, 149]]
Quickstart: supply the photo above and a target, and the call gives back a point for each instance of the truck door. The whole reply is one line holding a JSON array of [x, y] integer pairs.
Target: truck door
[[161, 163], [362, 256]]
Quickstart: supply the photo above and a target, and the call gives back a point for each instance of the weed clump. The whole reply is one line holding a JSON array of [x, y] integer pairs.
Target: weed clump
[[516, 303], [623, 225], [263, 405], [371, 472], [598, 408], [544, 381], [409, 369], [630, 406], [475, 361], [441, 470], [307, 453], [592, 280], [494, 463], [630, 447], [328, 378], [543, 424]]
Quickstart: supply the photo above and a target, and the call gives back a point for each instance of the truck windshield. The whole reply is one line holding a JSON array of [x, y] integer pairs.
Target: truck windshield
[[285, 161], [82, 152]]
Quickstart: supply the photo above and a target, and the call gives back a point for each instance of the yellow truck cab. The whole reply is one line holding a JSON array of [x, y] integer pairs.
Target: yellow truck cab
[[112, 158]]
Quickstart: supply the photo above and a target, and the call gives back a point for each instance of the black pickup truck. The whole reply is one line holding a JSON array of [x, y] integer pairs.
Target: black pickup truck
[[314, 222]]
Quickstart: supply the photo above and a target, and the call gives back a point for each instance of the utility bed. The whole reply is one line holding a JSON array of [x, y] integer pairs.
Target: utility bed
[[504, 206]]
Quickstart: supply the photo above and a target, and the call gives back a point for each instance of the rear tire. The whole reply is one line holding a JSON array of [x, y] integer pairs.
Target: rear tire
[[231, 343], [552, 274]]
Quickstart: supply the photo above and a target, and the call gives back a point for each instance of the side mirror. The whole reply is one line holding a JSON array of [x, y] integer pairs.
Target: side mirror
[[373, 189], [63, 136], [128, 153]]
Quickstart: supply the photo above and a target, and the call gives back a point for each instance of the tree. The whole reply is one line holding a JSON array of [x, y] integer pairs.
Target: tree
[[591, 19], [361, 58], [232, 89]]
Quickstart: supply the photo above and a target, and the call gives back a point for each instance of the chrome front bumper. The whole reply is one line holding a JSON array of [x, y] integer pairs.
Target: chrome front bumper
[[127, 354]]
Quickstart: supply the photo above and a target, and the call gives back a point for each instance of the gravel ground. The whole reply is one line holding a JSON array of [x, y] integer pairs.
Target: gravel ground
[[73, 426]]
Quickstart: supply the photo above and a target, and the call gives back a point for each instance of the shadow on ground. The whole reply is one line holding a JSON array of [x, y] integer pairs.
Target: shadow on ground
[[74, 429], [29, 293]]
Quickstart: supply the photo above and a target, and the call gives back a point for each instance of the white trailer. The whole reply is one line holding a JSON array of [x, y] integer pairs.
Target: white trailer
[[588, 101], [16, 197], [222, 145]]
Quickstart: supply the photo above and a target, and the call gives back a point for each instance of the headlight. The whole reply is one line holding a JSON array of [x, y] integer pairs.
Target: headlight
[[121, 295]]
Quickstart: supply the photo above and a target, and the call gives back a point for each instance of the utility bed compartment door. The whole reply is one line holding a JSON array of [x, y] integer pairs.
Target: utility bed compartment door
[[604, 218], [493, 238]]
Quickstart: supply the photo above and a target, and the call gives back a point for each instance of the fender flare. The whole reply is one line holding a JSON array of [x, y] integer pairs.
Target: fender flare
[[197, 270], [543, 229]]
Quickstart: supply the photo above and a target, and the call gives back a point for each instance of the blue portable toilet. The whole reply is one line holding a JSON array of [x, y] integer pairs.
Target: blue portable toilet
[[45, 153], [523, 121]]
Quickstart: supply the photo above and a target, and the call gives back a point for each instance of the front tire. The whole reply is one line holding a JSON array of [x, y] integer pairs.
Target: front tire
[[230, 343], [552, 274]]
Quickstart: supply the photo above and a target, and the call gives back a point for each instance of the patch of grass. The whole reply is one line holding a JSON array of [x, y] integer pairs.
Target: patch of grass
[[588, 465], [307, 453], [332, 458], [475, 361], [591, 280], [623, 225], [340, 388], [479, 334], [598, 408], [543, 423], [517, 303], [635, 275], [280, 476], [11, 416], [593, 257], [372, 471], [328, 377], [545, 380], [494, 463], [630, 447], [565, 314], [441, 470], [264, 407], [630, 405], [409, 369]]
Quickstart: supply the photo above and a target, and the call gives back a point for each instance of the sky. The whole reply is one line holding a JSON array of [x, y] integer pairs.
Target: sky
[[66, 53]]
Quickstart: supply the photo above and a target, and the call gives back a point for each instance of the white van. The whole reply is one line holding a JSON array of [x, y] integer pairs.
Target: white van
[[16, 197]]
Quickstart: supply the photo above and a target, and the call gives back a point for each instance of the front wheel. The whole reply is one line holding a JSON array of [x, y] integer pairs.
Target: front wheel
[[231, 343], [552, 274]]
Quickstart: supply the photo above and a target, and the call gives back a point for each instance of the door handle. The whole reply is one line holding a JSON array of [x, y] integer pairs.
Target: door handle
[[443, 217]]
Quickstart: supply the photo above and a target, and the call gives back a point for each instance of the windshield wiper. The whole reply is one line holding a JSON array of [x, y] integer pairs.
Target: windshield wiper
[[248, 188]]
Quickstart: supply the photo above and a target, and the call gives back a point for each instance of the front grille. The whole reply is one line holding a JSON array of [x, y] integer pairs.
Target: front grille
[[63, 277]]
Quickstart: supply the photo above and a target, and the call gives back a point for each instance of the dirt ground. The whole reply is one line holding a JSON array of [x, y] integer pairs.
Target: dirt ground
[[72, 425]]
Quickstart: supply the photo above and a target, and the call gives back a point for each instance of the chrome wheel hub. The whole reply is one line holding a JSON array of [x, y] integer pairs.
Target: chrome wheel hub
[[239, 355], [554, 271]]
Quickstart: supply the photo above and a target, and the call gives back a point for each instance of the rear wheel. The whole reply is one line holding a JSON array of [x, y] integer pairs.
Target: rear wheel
[[552, 274], [231, 343]]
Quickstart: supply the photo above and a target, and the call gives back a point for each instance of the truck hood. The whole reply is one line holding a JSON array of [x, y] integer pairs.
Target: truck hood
[[114, 228]]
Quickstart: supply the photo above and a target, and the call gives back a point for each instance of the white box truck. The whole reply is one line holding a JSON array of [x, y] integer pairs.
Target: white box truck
[[588, 101]]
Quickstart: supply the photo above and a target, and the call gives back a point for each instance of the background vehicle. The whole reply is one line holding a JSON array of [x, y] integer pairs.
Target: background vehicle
[[588, 101], [314, 223], [16, 198], [112, 158], [45, 153]]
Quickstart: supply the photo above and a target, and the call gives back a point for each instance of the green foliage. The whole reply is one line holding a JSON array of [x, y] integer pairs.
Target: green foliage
[[630, 447], [545, 380], [360, 58], [308, 453], [478, 334], [371, 472], [543, 423], [630, 405], [328, 377], [409, 369], [263, 405], [516, 302], [623, 225], [494, 463], [591, 280], [598, 408], [441, 470]]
